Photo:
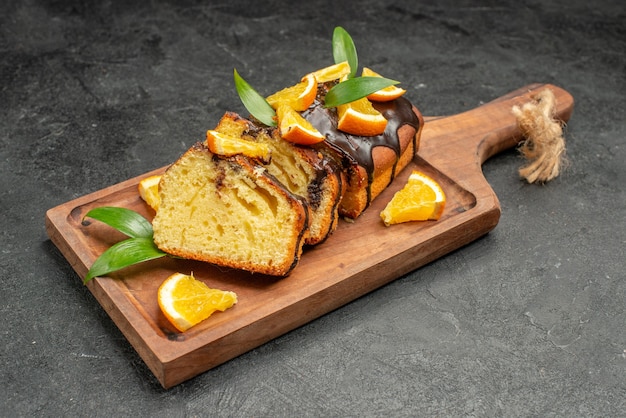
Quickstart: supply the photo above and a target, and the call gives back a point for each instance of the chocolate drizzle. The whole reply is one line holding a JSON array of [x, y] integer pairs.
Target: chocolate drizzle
[[358, 150]]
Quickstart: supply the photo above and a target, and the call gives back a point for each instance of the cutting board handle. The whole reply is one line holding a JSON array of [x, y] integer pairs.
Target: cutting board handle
[[468, 139]]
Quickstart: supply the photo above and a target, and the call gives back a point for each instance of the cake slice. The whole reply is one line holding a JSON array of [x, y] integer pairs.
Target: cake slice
[[229, 211], [304, 171]]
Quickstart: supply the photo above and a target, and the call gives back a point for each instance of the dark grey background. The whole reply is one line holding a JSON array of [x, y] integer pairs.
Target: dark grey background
[[527, 321]]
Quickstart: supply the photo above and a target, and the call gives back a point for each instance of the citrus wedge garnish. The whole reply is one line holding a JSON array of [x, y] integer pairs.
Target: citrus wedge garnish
[[421, 199], [294, 128], [149, 191], [186, 301], [360, 118], [332, 72], [383, 95], [299, 96], [227, 145]]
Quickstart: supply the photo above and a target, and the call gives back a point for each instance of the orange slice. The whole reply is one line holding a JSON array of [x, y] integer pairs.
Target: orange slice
[[299, 96], [186, 301], [332, 72], [149, 191], [227, 145], [294, 128], [383, 95], [421, 199], [360, 118]]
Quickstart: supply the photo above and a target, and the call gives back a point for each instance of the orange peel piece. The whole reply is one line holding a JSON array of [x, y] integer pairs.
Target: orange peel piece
[[149, 191], [223, 144], [186, 301], [294, 128], [384, 95], [421, 199], [360, 118], [299, 96], [332, 72]]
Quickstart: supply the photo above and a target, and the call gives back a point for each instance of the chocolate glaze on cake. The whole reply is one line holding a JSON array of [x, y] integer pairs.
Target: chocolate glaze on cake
[[358, 150]]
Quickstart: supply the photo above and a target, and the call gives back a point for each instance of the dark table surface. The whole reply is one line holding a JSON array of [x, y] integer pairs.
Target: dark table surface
[[528, 321]]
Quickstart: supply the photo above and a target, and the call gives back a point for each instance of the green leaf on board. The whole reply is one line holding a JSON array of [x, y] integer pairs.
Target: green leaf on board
[[123, 254], [126, 221]]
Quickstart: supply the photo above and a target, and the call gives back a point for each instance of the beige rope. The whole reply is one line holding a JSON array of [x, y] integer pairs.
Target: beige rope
[[543, 145]]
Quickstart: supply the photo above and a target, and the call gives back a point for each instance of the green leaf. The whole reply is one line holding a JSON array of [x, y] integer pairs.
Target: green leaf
[[123, 254], [344, 50], [355, 88], [254, 102], [124, 220]]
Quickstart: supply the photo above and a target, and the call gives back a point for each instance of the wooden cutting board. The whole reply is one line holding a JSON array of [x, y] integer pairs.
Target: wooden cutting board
[[358, 258]]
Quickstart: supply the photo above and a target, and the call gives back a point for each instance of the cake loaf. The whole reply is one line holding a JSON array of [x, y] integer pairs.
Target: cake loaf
[[257, 216]]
